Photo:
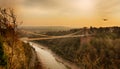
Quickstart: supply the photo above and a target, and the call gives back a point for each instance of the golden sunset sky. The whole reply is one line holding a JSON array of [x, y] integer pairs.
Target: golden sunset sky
[[71, 13]]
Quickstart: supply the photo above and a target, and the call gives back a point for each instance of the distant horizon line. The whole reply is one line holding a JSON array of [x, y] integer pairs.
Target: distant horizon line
[[67, 26]]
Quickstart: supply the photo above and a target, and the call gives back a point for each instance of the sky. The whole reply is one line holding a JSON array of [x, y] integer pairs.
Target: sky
[[70, 13]]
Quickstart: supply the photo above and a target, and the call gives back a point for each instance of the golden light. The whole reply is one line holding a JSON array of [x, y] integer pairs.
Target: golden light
[[86, 7]]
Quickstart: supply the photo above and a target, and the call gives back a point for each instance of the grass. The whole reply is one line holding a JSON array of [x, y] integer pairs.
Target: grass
[[97, 52], [100, 53]]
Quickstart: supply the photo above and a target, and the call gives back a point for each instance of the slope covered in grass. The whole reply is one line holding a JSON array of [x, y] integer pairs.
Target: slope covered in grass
[[100, 51]]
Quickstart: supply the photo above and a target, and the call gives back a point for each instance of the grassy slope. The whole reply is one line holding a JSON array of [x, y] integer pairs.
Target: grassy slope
[[23, 57], [88, 52]]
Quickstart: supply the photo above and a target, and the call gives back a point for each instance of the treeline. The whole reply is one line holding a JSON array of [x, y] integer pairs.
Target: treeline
[[108, 32], [113, 31]]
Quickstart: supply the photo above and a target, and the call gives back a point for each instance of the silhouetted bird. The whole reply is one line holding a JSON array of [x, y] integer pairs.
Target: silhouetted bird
[[105, 19]]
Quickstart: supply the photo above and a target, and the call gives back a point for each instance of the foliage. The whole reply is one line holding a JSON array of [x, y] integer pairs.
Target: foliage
[[8, 28], [100, 51], [64, 47], [3, 61], [7, 19]]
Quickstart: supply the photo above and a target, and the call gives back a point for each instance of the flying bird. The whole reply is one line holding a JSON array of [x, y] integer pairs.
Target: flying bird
[[105, 19]]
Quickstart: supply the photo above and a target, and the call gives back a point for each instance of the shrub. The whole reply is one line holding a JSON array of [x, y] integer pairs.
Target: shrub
[[3, 61]]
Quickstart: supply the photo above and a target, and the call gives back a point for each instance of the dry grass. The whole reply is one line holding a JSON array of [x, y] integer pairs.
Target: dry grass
[[88, 52]]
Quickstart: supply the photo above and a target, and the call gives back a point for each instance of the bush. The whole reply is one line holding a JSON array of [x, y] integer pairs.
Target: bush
[[3, 61]]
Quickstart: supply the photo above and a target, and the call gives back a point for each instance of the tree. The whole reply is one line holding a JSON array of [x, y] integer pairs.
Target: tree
[[8, 19], [8, 29]]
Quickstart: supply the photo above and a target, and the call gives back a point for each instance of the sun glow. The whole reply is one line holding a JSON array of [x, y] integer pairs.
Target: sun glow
[[85, 7], [77, 13], [87, 4]]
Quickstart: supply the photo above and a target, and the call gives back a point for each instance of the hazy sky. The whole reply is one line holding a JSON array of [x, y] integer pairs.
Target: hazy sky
[[71, 13]]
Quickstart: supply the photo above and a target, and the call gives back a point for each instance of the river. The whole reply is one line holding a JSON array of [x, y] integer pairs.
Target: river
[[49, 60]]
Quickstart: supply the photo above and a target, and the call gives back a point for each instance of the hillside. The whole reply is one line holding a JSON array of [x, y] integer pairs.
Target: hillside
[[100, 51], [14, 54], [17, 56]]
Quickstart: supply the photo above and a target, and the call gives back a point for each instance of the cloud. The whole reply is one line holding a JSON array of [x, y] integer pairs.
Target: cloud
[[48, 7], [8, 3], [42, 3], [59, 6], [66, 7]]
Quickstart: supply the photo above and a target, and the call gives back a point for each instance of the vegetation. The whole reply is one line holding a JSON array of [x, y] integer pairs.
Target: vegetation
[[14, 54], [99, 51], [8, 26], [3, 61]]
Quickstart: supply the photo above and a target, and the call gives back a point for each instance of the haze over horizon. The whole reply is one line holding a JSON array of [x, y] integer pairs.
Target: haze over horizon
[[70, 13]]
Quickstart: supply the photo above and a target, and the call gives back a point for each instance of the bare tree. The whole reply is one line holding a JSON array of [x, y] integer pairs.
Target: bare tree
[[8, 26], [8, 19]]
